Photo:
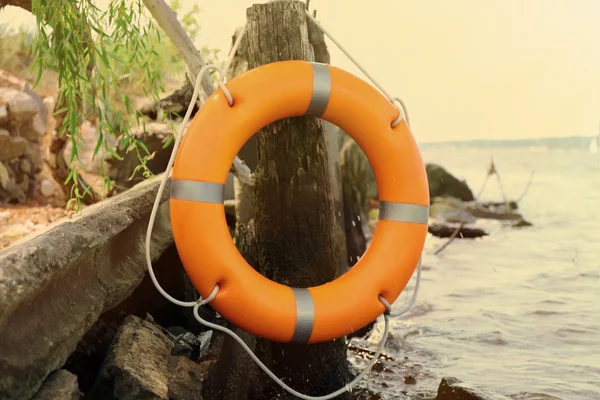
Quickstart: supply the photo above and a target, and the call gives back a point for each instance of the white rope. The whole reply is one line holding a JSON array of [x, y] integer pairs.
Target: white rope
[[412, 301], [200, 302], [402, 109], [163, 182], [267, 371]]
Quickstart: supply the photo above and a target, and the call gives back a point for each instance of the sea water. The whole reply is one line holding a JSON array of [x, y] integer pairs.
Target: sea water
[[518, 311]]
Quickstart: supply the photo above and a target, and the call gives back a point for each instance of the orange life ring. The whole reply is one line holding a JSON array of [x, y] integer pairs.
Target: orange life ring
[[218, 131]]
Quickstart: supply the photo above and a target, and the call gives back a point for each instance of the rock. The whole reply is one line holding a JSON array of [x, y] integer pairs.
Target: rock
[[49, 103], [187, 344], [34, 155], [4, 176], [55, 285], [454, 389], [443, 184], [137, 366], [33, 130], [185, 379], [11, 147], [520, 223], [25, 166], [61, 385], [47, 188], [13, 81], [3, 114], [21, 106]]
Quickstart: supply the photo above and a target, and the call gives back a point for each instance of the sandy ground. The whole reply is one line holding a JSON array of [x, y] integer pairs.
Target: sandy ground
[[19, 220]]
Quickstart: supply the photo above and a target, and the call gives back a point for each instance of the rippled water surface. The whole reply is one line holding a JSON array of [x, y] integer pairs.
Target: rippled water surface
[[518, 311]]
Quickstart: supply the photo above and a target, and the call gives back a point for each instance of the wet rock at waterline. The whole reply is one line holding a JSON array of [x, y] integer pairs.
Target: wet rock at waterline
[[61, 385], [454, 389], [443, 184]]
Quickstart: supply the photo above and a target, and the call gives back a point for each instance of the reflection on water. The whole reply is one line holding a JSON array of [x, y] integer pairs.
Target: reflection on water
[[518, 311]]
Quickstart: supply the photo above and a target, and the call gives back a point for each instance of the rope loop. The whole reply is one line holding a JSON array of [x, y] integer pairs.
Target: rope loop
[[402, 112], [388, 306], [211, 296], [221, 81]]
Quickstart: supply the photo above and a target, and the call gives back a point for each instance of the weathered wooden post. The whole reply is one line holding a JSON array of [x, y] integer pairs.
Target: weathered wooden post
[[292, 239]]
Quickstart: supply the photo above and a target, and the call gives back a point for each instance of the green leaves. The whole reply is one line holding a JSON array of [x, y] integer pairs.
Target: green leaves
[[104, 57]]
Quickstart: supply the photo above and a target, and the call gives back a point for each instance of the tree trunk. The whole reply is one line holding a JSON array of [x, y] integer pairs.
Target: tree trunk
[[293, 239]]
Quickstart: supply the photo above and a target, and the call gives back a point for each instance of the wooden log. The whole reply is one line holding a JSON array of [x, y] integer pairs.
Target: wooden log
[[294, 239], [443, 230]]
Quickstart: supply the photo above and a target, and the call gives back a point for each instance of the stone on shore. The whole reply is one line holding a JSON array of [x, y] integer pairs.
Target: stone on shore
[[454, 389], [61, 385], [443, 184]]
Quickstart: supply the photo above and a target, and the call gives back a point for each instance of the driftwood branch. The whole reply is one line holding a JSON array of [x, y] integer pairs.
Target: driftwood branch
[[461, 227], [526, 187], [167, 20]]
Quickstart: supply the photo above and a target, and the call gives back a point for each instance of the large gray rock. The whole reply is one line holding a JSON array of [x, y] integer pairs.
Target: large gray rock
[[11, 147], [54, 286], [61, 385], [21, 106], [443, 184]]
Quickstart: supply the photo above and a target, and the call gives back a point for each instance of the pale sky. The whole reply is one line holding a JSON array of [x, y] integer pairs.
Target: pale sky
[[465, 68]]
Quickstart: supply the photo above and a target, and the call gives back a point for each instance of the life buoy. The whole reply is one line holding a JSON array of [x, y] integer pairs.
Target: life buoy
[[218, 131]]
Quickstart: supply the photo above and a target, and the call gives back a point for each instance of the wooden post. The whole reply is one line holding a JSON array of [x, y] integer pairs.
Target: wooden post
[[292, 239]]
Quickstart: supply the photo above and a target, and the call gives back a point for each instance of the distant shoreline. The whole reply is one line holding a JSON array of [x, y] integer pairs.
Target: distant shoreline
[[568, 142]]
